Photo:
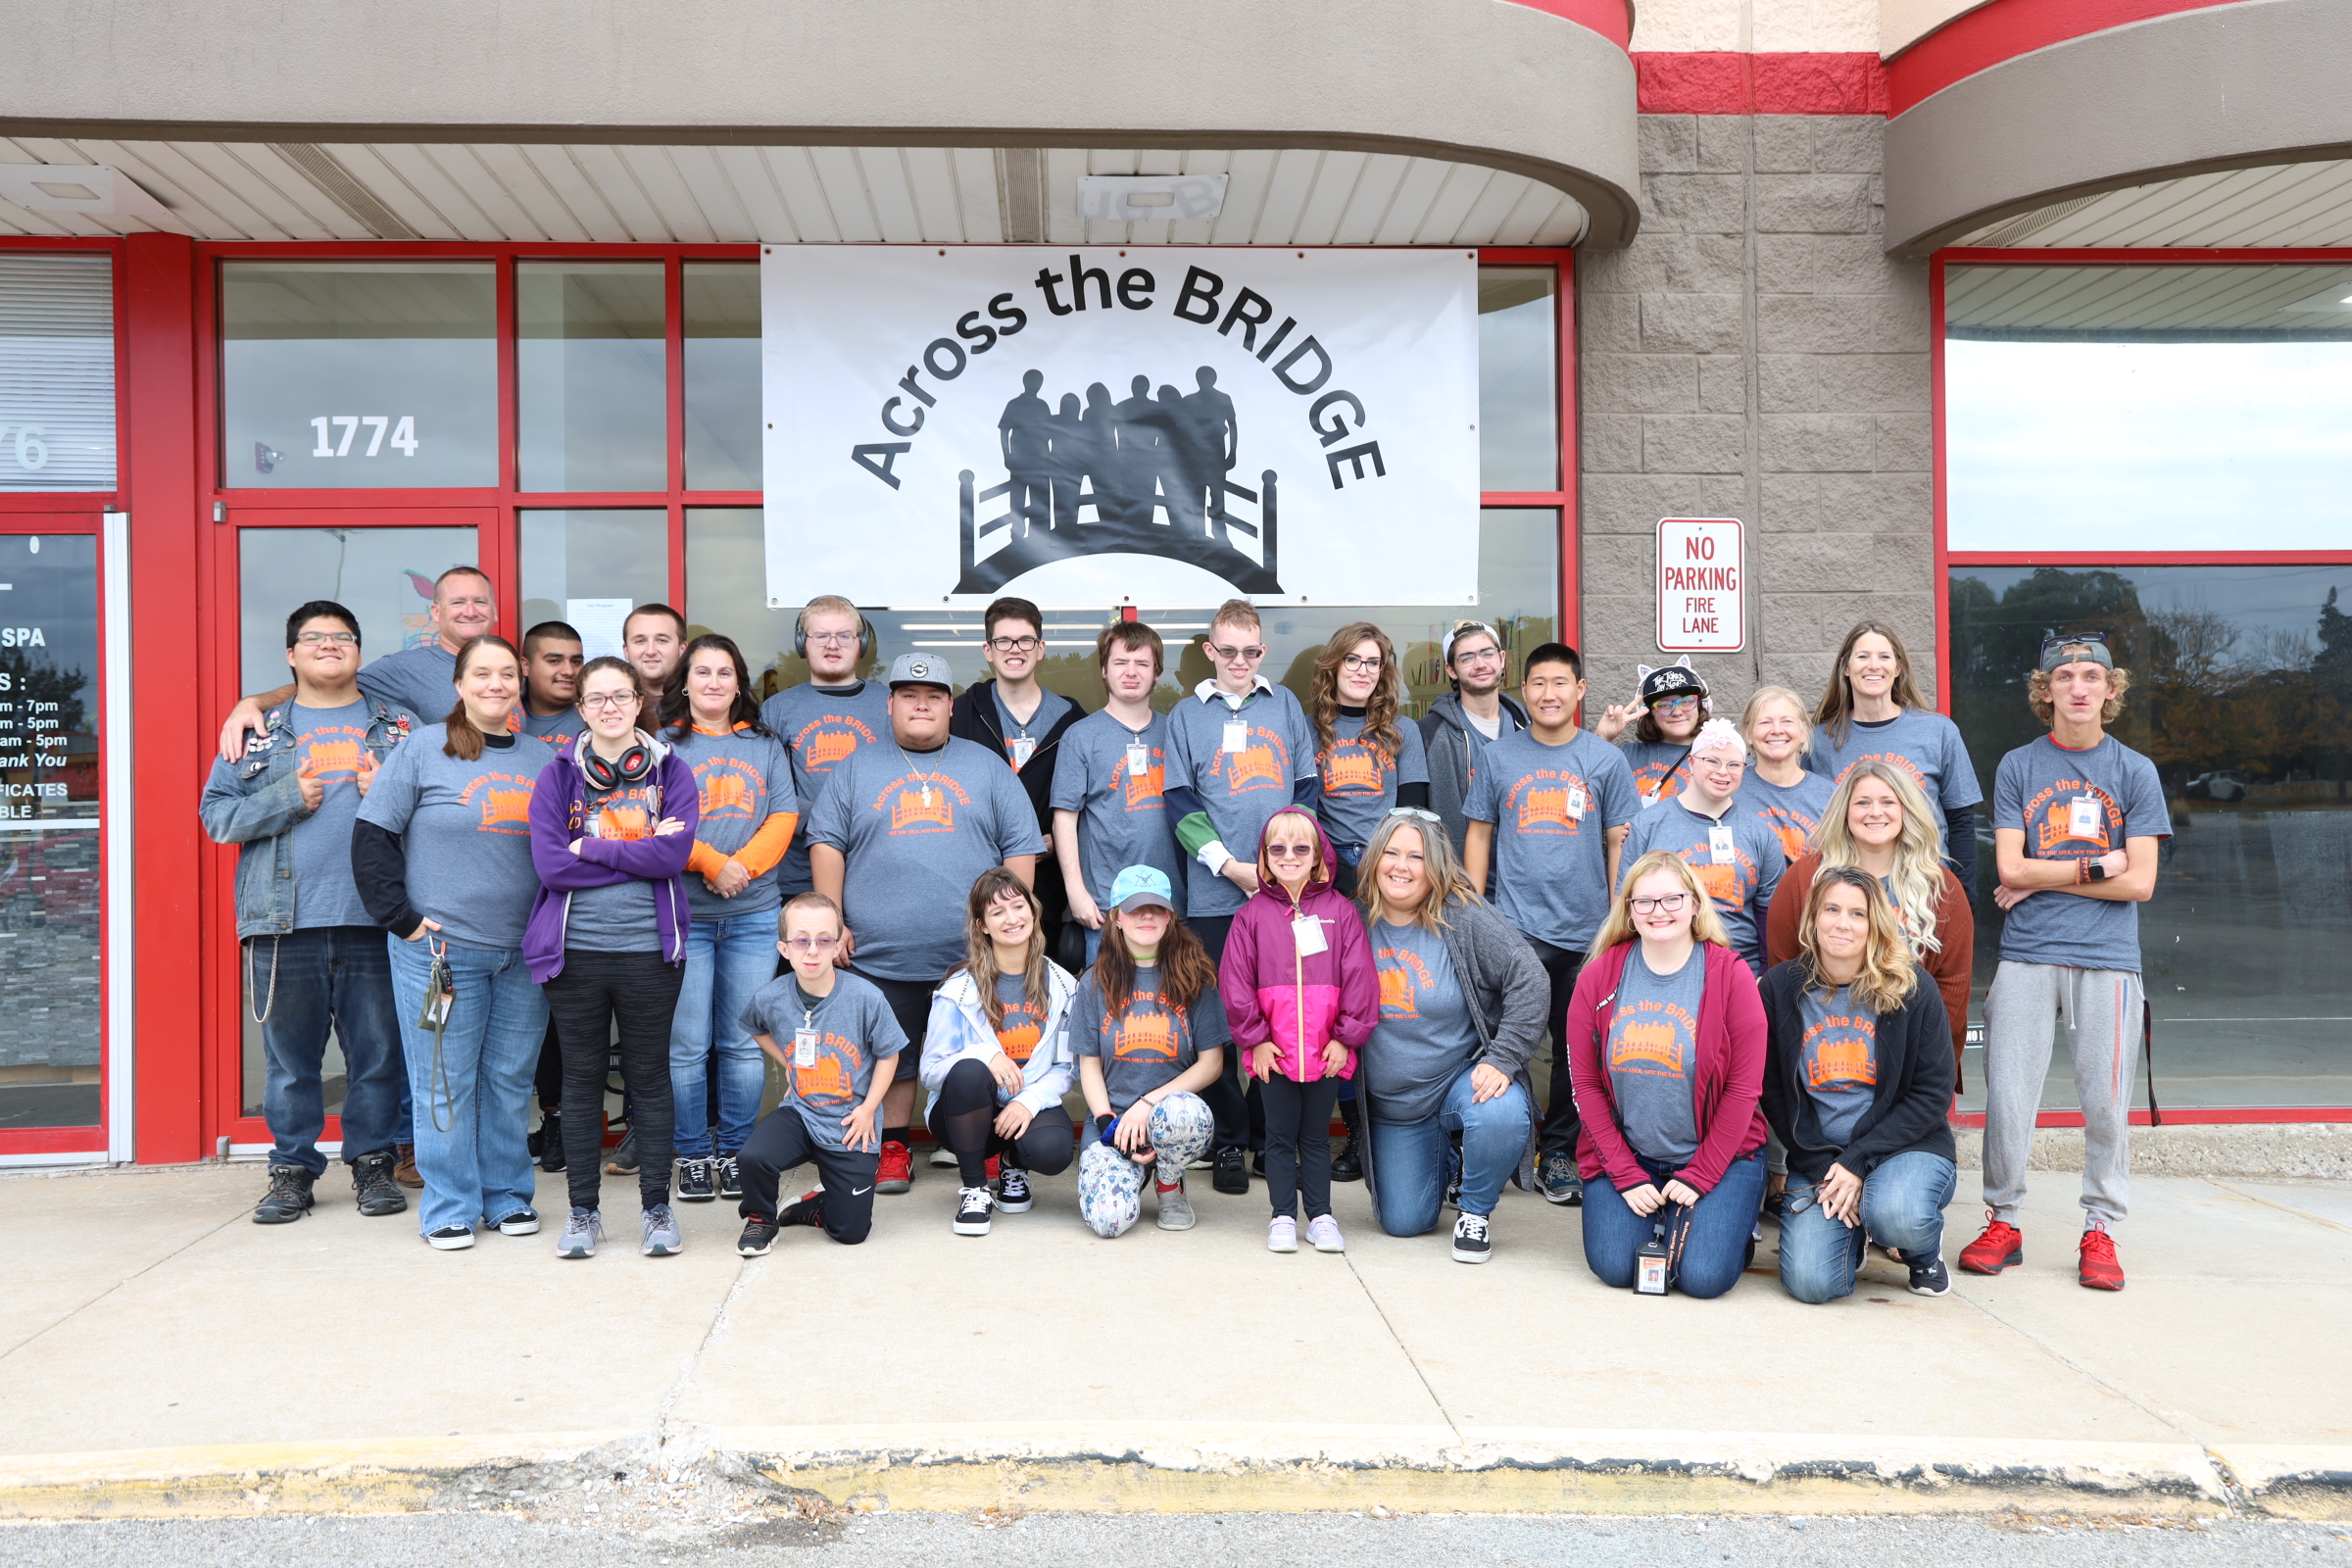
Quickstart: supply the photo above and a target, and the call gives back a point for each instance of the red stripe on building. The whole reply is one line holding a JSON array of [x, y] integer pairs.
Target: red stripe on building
[[1728, 83], [2004, 30]]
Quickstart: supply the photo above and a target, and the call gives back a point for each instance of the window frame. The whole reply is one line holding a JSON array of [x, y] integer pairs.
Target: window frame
[[85, 500]]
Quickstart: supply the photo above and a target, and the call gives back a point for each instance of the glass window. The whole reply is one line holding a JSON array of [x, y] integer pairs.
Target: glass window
[[51, 1007], [2148, 407], [2241, 694], [57, 372], [340, 375], [382, 575], [723, 375], [1518, 379], [591, 381], [592, 568]]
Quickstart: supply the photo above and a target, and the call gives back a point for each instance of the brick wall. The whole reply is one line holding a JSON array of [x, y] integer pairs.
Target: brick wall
[[1796, 400]]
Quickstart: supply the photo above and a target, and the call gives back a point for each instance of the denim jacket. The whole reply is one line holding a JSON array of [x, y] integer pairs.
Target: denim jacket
[[256, 802]]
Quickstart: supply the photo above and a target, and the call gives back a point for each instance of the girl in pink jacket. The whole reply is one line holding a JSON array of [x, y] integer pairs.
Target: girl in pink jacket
[[1301, 995]]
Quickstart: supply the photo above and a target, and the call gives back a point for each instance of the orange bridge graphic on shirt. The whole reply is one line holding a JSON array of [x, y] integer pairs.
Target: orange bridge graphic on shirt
[[1652, 1036], [1143, 791], [1403, 974], [1729, 884], [1143, 1033], [335, 754], [1017, 1036], [825, 741], [503, 800], [1262, 766], [833, 1077], [2051, 809], [727, 790], [1538, 802], [1356, 768], [903, 806], [1841, 1052], [1793, 830]]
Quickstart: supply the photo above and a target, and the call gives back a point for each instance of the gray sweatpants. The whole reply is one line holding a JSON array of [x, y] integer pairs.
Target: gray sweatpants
[[2101, 1008]]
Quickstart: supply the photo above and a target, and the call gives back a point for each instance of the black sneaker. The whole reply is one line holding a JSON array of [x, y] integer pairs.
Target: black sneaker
[[1257, 1162], [625, 1157], [806, 1210], [1346, 1162], [378, 1194], [551, 1138], [1471, 1242], [730, 1176], [451, 1238], [1454, 1192], [288, 1197], [1928, 1276], [697, 1182], [1231, 1171], [758, 1236], [972, 1204], [1556, 1178], [1013, 1195], [523, 1222]]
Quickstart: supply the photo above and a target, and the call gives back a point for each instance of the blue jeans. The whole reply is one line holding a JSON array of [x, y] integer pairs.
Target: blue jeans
[[328, 976], [1409, 1158], [726, 960], [1902, 1207], [1717, 1235], [479, 1167]]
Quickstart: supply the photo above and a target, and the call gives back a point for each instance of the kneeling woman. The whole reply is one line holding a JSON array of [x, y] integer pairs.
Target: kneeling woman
[[1858, 1085], [1150, 1033], [1461, 1012], [997, 1054], [1666, 1040]]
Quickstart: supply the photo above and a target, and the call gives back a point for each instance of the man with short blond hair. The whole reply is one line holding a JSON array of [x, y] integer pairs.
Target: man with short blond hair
[[826, 717]]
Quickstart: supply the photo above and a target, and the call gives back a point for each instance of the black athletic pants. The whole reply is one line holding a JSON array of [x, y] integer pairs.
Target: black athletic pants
[[638, 993], [1299, 1142], [1558, 1133], [1240, 1114], [548, 1079], [780, 1141], [963, 1118]]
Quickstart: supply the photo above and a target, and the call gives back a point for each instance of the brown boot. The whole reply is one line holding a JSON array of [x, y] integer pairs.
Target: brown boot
[[405, 1172]]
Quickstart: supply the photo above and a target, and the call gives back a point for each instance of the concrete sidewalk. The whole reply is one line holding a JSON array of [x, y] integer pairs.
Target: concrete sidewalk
[[158, 1352]]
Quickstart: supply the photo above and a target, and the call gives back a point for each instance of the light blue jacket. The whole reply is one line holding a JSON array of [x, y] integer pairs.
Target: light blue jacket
[[256, 802], [959, 1028]]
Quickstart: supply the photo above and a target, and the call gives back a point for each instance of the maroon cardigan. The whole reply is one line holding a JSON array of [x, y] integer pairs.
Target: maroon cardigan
[[1727, 1089]]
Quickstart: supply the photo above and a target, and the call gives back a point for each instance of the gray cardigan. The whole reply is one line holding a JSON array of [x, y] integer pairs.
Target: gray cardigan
[[1507, 993]]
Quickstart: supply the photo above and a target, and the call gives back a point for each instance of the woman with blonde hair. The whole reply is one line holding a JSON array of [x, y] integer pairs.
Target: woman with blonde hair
[[1872, 710], [1778, 788], [1667, 1044], [1877, 823], [1857, 1087]]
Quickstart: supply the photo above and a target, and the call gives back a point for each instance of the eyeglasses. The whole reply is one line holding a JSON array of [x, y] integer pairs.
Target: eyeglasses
[[332, 639], [1285, 851], [1016, 645], [602, 700], [1723, 765], [1663, 904], [1676, 704], [1248, 656], [811, 944], [1479, 656], [1357, 664], [832, 638]]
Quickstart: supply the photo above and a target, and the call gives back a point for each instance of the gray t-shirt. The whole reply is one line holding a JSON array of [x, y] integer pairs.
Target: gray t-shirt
[[2037, 790], [1739, 881], [1241, 791], [821, 726], [332, 740], [559, 729], [1360, 778], [1661, 768], [744, 779], [854, 1030], [1791, 810], [918, 829], [1424, 1038], [1839, 1061], [618, 918], [1652, 1051], [420, 680], [465, 832], [1553, 807], [1150, 1040], [1051, 705], [1123, 817], [1920, 741]]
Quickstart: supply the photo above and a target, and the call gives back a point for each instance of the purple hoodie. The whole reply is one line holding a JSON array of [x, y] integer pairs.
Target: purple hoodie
[[558, 813], [1299, 1004]]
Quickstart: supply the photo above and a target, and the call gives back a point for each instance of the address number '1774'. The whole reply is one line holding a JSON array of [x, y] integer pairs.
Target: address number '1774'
[[403, 439]]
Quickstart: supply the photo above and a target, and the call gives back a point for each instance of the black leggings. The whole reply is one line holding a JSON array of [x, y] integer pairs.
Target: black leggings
[[780, 1141], [1558, 1133], [1299, 1142], [548, 1079], [638, 991], [963, 1118]]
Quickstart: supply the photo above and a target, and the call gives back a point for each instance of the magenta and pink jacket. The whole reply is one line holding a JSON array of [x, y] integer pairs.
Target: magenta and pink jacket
[[1300, 1003]]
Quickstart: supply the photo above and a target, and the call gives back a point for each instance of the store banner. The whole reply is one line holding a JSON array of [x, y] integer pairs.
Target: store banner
[[1161, 425]]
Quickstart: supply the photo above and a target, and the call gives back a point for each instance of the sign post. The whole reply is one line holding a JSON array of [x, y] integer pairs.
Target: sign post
[[1703, 585]]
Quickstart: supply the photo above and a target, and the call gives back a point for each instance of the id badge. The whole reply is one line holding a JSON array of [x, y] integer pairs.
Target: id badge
[[1578, 800], [2083, 818], [1650, 1268], [1720, 849], [1236, 737], [803, 1047], [440, 994], [1023, 748], [1307, 932], [1138, 759]]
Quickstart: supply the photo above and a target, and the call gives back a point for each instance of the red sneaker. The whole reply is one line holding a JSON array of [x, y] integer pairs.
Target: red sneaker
[[2001, 1247], [895, 1172], [996, 1165], [2098, 1269]]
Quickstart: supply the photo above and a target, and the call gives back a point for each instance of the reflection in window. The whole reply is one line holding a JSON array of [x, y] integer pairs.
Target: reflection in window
[[723, 375], [2241, 694], [57, 371], [591, 386], [382, 575], [1518, 379], [592, 568], [2148, 407], [343, 375]]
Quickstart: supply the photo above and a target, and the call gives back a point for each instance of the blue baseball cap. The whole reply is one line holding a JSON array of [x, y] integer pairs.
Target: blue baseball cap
[[1139, 887]]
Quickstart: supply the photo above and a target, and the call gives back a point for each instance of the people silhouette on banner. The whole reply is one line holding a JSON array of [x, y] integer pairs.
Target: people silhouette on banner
[[1131, 457]]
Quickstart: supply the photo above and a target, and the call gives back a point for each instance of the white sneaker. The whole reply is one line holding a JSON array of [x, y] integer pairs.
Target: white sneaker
[[1324, 1231], [942, 1157], [972, 1204], [1282, 1233]]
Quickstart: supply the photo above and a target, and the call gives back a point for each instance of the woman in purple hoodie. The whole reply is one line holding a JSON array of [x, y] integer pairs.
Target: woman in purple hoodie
[[613, 823], [1302, 995]]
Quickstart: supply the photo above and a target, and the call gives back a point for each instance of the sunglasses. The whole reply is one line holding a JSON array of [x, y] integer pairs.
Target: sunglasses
[[1285, 851]]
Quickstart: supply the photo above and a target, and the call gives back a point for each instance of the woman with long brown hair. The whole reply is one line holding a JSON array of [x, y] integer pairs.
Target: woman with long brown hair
[[997, 1054], [1872, 708], [1857, 1087], [1370, 757]]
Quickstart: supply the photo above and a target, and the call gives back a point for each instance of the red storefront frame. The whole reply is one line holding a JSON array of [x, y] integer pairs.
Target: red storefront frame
[[212, 1072], [1947, 558]]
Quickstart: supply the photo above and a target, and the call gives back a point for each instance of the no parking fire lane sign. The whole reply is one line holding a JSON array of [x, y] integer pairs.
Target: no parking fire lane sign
[[1703, 585]]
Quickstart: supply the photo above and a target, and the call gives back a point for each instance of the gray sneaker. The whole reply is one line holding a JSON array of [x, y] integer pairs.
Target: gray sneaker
[[1175, 1209], [661, 1232], [581, 1232]]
